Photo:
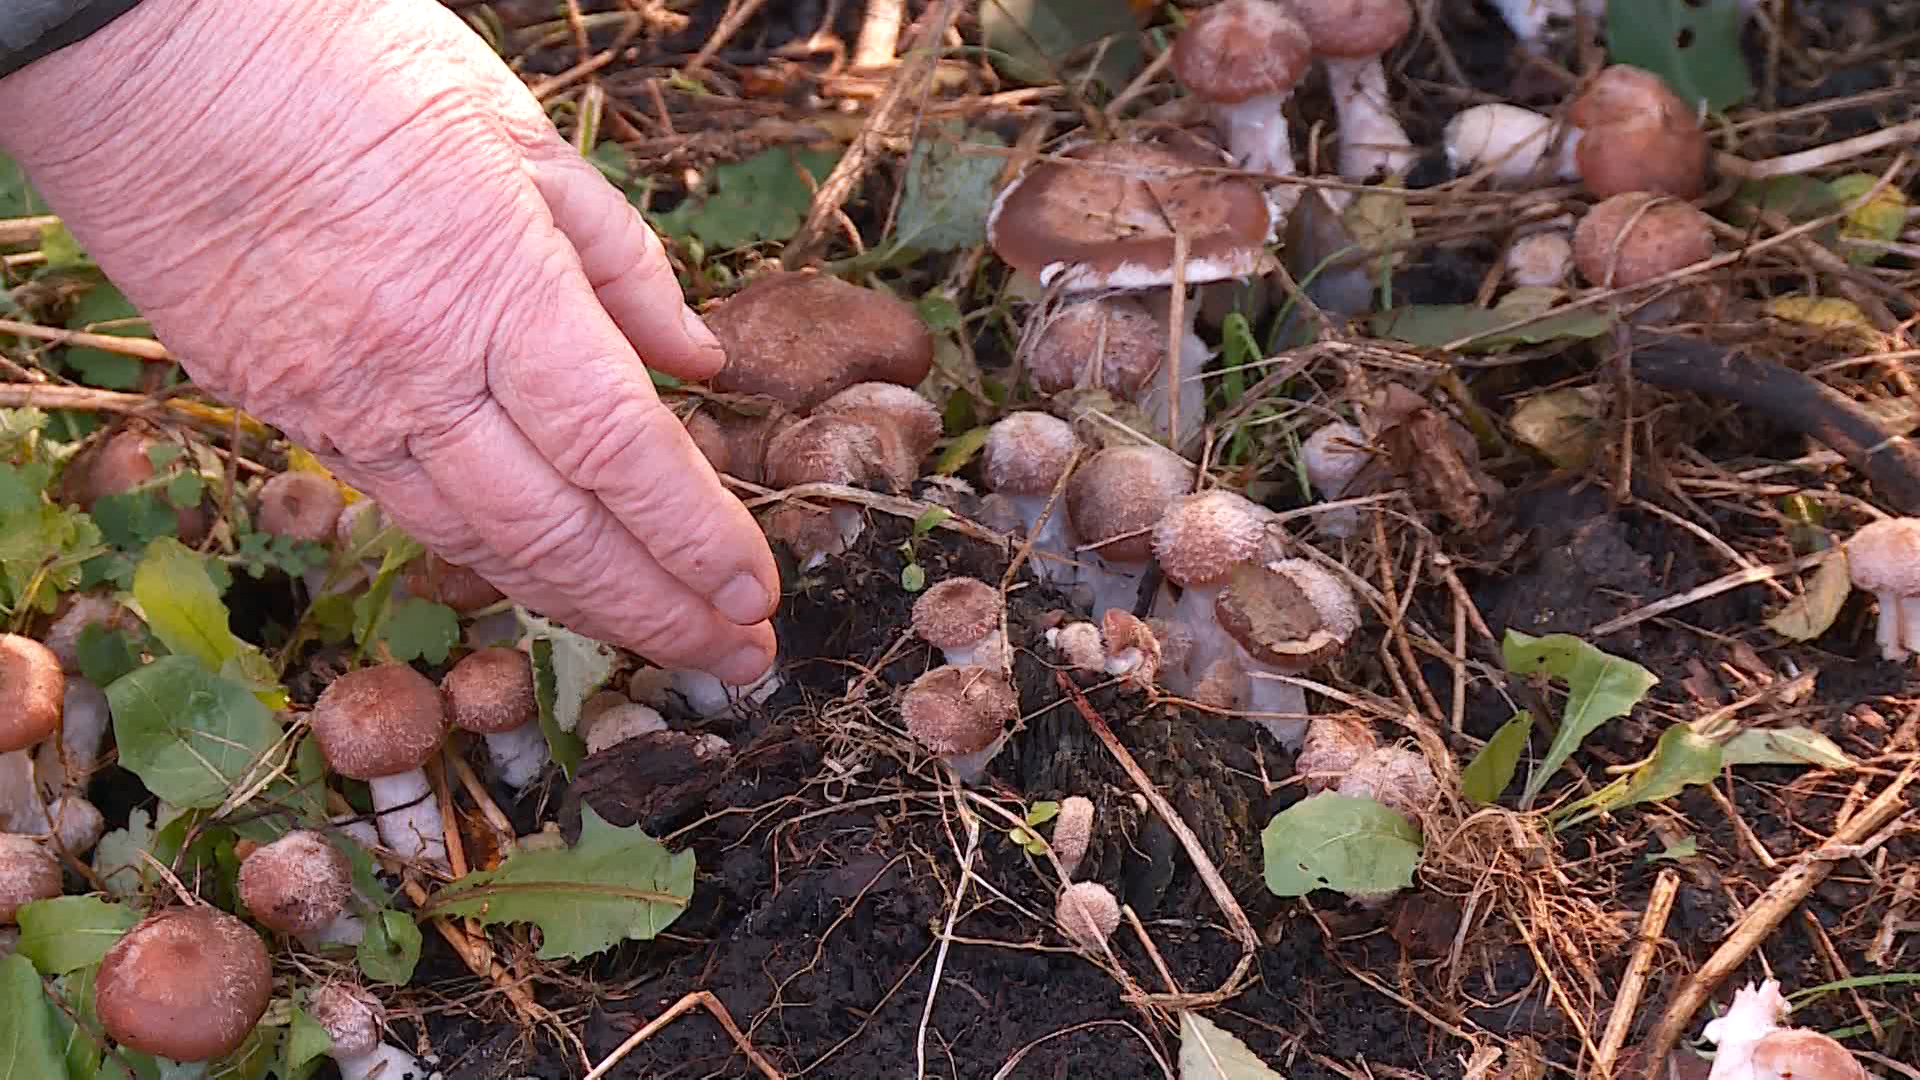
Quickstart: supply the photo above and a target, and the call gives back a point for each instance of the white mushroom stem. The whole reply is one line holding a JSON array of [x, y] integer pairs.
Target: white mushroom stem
[[1899, 626], [20, 808], [77, 823], [990, 651], [707, 696], [1510, 142], [1112, 584], [518, 755], [1193, 612], [1371, 138], [383, 1062], [1257, 135], [1194, 357], [1282, 704], [408, 816], [66, 762], [969, 768], [1053, 536], [347, 928]]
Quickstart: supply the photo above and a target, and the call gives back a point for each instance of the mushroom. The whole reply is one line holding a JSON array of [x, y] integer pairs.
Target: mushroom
[[1511, 142], [1121, 645], [1350, 37], [1024, 458], [618, 723], [1632, 133], [490, 693], [1118, 343], [959, 714], [1884, 559], [1631, 239], [300, 504], [381, 724], [1088, 914], [1113, 500], [1243, 57], [352, 1019], [1332, 457], [1105, 215], [187, 984], [28, 872], [122, 463], [302, 885], [32, 692], [431, 577], [1751, 1044], [1393, 776], [866, 439], [800, 338], [961, 617], [1333, 744], [1197, 543], [1284, 617], [1073, 832], [736, 443], [1540, 259]]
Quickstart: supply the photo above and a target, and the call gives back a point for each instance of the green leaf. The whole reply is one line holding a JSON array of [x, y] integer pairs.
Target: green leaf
[[762, 198], [949, 191], [30, 1044], [1492, 769], [616, 884], [181, 605], [79, 1031], [1433, 326], [1331, 841], [961, 449], [1684, 848], [104, 310], [1680, 759], [17, 197], [43, 546], [105, 653], [930, 519], [71, 932], [913, 577], [1600, 687], [390, 948], [117, 858], [307, 1041], [568, 668], [1794, 745], [191, 736], [1881, 218], [421, 630], [1029, 38], [1210, 1052], [1694, 46]]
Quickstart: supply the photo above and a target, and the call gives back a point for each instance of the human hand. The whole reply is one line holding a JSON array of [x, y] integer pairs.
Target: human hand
[[351, 219]]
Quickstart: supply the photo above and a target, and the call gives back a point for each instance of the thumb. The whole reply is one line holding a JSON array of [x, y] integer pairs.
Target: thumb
[[626, 264]]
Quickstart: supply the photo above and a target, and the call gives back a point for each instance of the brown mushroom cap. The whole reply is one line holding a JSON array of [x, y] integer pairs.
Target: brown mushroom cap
[[302, 505], [351, 1016], [32, 689], [1073, 831], [491, 691], [1884, 556], [837, 448], [1354, 29], [297, 884], [1800, 1054], [118, 465], [958, 709], [1106, 216], [431, 577], [1637, 135], [910, 424], [1393, 776], [1242, 49], [1204, 536], [1117, 496], [379, 721], [1638, 237], [1289, 614], [1026, 453], [1114, 342], [957, 612], [736, 444], [1087, 913], [1624, 94], [28, 872], [1333, 743], [800, 338], [187, 983]]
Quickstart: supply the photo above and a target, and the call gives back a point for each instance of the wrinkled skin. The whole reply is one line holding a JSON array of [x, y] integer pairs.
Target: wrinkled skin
[[351, 219]]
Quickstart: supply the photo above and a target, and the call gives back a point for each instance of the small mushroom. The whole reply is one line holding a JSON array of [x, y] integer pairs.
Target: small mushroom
[[28, 872], [187, 983], [618, 723], [1118, 343], [1333, 744], [1632, 133], [961, 617], [1023, 460], [1396, 777], [1198, 542], [1350, 37], [1114, 499], [1634, 238], [122, 463], [1752, 1044], [1073, 832], [1088, 914], [32, 693], [381, 724], [1244, 57], [1515, 145], [1884, 559], [490, 693], [800, 338], [1333, 457], [1284, 617], [431, 577], [302, 885], [864, 437], [959, 713], [353, 1019], [1540, 259], [1121, 645], [300, 504]]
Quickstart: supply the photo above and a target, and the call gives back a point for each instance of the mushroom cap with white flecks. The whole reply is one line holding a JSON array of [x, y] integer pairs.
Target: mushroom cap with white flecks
[[379, 721], [33, 690], [1884, 556], [956, 613], [1115, 498], [297, 884], [958, 709], [491, 691], [1088, 913], [351, 1016], [187, 983], [1118, 336], [801, 337], [1026, 453], [1201, 538], [1241, 49]]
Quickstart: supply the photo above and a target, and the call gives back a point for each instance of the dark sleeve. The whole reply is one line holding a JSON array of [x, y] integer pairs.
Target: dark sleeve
[[31, 29]]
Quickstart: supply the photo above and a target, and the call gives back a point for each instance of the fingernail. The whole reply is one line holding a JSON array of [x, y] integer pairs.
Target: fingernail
[[744, 600], [699, 336], [746, 666]]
